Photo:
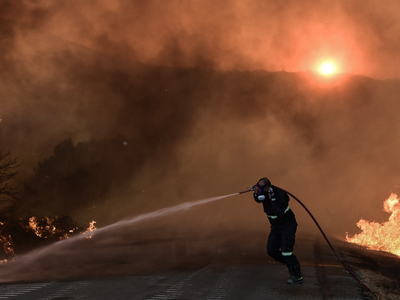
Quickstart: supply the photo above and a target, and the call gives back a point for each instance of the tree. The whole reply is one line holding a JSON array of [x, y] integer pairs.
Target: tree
[[21, 234], [8, 203], [9, 195], [77, 178]]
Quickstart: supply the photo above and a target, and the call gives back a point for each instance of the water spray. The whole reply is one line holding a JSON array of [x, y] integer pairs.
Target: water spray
[[251, 188], [27, 258]]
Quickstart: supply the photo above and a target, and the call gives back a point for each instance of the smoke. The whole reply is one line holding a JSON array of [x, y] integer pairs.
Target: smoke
[[362, 36], [198, 89]]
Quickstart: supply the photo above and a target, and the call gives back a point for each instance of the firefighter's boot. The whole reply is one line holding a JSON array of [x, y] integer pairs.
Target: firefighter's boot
[[295, 274]]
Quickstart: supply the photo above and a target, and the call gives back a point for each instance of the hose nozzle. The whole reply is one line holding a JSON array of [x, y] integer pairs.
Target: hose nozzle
[[251, 188]]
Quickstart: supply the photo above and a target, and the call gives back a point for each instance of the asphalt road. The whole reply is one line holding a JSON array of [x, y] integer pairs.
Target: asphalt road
[[160, 267]]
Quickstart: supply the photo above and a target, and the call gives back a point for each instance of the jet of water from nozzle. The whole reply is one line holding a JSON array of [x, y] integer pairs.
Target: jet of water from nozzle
[[25, 259], [164, 211]]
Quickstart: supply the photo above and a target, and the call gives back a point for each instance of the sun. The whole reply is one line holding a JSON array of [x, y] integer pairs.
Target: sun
[[327, 68]]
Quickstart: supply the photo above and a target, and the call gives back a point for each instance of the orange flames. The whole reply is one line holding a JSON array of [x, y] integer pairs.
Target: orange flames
[[8, 245], [46, 228], [91, 228], [385, 236]]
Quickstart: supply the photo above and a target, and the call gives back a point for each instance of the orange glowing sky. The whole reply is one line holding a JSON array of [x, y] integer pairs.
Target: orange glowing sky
[[362, 37]]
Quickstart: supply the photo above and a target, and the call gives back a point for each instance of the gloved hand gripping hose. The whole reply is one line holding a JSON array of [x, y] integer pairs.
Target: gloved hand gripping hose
[[326, 238]]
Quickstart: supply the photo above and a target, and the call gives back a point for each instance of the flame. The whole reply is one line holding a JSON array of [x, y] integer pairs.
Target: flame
[[91, 228], [43, 230], [8, 245], [382, 237], [33, 224]]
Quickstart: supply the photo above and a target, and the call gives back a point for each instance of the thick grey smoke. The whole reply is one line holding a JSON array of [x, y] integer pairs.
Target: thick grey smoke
[[178, 79]]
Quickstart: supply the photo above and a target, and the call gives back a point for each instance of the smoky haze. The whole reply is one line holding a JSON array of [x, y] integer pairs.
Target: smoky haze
[[211, 97], [361, 36]]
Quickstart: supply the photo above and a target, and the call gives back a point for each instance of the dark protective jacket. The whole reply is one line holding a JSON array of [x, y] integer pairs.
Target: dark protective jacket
[[276, 206]]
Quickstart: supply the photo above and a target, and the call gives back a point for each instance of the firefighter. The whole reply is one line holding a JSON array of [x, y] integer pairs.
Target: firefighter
[[283, 227]]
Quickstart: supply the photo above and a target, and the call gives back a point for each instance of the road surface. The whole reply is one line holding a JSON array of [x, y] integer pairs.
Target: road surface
[[160, 267]]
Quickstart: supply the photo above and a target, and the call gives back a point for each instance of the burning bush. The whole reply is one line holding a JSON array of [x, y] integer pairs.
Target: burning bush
[[14, 236], [53, 228], [17, 236]]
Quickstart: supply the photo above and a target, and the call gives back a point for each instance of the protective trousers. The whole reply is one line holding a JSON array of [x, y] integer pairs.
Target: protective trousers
[[280, 246]]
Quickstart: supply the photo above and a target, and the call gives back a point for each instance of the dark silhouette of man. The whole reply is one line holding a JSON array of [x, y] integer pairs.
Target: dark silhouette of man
[[283, 227]]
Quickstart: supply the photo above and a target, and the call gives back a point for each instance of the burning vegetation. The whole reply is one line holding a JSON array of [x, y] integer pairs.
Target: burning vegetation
[[28, 217], [17, 236], [18, 233], [381, 236]]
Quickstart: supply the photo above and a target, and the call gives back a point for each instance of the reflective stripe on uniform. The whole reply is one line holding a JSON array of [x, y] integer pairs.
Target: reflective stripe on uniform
[[276, 217], [287, 253]]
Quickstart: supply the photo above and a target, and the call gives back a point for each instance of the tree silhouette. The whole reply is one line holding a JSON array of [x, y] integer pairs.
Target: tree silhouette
[[9, 200], [9, 195], [78, 177]]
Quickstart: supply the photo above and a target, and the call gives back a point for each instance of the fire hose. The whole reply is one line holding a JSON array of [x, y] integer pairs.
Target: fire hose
[[326, 239]]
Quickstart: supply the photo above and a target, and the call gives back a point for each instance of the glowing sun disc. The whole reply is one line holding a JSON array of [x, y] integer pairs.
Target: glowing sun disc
[[327, 68]]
